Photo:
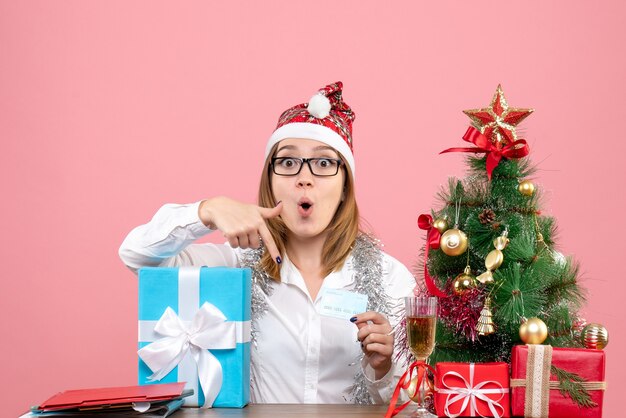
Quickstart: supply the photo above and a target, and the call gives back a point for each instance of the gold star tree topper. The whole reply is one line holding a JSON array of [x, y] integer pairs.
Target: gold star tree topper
[[498, 122]]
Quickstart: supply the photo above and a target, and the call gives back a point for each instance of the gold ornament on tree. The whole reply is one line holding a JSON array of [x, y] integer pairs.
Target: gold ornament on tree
[[441, 225], [526, 188], [464, 281], [541, 244], [595, 336], [414, 394], [485, 324], [533, 331], [453, 242], [494, 258]]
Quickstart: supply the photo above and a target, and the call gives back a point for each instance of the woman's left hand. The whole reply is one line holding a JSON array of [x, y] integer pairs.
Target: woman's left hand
[[376, 339]]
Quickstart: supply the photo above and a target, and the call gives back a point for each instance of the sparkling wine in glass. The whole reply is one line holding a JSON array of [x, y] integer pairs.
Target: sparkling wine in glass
[[421, 335], [421, 324]]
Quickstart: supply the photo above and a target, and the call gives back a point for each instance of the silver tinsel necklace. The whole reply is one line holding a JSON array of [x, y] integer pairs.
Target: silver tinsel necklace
[[368, 275]]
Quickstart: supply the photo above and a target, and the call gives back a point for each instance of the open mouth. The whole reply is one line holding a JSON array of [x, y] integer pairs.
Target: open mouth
[[305, 207]]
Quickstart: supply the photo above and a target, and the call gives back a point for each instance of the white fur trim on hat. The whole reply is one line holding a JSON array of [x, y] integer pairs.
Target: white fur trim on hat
[[304, 130]]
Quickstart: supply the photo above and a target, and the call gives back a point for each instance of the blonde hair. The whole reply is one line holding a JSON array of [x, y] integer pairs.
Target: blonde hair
[[342, 230]]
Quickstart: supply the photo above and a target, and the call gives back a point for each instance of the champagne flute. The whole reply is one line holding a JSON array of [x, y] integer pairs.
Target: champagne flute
[[421, 323]]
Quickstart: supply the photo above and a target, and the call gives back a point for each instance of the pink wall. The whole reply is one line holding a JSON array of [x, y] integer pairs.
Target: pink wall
[[109, 109]]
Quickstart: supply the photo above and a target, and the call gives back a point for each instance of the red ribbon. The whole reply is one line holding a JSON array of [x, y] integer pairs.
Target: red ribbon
[[517, 149], [432, 241], [404, 383]]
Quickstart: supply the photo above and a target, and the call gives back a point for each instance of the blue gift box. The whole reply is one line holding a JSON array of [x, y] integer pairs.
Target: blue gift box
[[184, 291]]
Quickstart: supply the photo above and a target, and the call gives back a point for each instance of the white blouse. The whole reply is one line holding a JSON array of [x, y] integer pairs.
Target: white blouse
[[300, 355]]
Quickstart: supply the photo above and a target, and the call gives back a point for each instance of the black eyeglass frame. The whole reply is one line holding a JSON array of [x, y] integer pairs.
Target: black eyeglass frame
[[308, 162]]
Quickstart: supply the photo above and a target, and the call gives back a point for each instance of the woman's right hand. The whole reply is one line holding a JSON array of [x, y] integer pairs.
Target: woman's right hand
[[241, 223]]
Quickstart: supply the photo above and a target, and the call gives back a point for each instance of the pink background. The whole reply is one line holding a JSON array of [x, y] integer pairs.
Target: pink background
[[109, 109]]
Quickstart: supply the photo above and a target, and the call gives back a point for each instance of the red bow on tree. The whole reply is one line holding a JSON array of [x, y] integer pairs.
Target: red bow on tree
[[432, 241], [517, 149]]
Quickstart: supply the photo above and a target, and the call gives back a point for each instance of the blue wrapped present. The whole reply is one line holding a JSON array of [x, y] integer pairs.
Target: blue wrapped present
[[194, 326]]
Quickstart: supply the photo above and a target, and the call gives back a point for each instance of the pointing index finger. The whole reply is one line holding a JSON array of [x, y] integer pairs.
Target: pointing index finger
[[270, 245]]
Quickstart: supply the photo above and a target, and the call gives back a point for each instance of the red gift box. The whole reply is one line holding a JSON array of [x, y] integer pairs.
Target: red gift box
[[472, 389], [535, 391]]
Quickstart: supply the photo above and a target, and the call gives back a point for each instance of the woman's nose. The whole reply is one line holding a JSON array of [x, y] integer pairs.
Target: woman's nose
[[305, 177], [305, 182]]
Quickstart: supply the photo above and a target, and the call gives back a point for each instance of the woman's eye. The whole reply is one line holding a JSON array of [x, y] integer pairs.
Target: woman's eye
[[288, 162], [324, 163]]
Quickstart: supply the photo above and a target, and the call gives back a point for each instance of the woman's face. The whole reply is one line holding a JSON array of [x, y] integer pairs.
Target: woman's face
[[309, 201]]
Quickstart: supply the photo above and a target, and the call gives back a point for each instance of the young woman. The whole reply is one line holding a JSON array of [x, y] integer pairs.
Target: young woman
[[301, 240]]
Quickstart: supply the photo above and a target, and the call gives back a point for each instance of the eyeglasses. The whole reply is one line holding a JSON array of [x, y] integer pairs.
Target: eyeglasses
[[290, 166]]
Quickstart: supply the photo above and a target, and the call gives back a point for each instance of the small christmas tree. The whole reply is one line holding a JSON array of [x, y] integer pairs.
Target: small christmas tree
[[490, 252]]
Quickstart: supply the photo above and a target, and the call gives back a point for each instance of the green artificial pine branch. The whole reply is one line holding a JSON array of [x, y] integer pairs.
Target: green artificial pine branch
[[451, 346], [484, 234], [558, 319], [476, 191], [563, 284], [548, 229], [541, 268], [451, 195], [521, 249], [504, 195], [503, 185], [517, 295], [570, 385], [507, 168]]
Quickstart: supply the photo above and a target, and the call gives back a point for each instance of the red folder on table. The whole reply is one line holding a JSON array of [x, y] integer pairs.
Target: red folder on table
[[113, 397]]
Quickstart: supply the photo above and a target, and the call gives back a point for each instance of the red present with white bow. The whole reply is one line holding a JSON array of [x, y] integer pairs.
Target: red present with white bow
[[472, 390]]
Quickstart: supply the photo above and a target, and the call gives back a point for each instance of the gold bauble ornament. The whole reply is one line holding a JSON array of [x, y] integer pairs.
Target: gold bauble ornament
[[533, 331], [453, 242], [485, 323], [440, 225], [427, 388], [595, 336], [464, 281], [527, 188], [411, 390]]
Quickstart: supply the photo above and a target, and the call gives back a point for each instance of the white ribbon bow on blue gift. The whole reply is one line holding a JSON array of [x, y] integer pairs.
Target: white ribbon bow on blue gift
[[470, 393], [209, 330]]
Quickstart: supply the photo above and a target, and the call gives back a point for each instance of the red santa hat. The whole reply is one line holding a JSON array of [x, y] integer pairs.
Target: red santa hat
[[325, 118]]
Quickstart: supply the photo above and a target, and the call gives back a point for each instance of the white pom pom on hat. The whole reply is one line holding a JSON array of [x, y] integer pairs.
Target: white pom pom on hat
[[319, 106]]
